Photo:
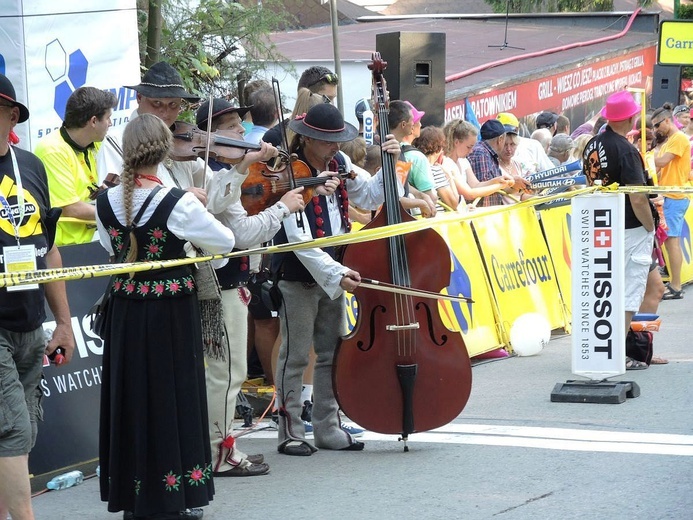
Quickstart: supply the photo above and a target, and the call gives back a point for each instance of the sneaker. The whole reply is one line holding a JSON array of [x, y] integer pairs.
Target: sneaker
[[352, 430], [274, 422], [307, 412], [308, 427]]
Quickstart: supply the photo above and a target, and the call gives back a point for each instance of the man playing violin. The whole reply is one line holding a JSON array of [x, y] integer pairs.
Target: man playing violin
[[312, 282], [69, 156], [227, 370], [161, 93]]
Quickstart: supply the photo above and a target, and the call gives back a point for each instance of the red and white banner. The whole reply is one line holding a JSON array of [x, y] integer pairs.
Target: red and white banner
[[586, 83]]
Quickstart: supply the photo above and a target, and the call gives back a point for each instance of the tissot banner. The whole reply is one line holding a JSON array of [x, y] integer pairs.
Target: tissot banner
[[598, 285], [48, 49]]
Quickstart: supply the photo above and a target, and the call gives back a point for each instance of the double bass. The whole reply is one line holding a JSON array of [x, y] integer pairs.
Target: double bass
[[400, 370]]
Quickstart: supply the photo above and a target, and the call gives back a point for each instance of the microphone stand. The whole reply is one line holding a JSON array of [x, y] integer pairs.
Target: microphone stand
[[505, 40]]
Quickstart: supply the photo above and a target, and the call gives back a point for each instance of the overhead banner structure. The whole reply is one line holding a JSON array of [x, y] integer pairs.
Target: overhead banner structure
[[49, 49], [599, 342]]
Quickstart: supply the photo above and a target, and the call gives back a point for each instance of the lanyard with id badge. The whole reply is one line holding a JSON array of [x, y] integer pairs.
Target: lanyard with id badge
[[20, 257]]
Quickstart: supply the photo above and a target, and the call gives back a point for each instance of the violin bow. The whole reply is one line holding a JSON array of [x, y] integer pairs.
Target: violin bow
[[285, 144], [210, 112], [368, 283]]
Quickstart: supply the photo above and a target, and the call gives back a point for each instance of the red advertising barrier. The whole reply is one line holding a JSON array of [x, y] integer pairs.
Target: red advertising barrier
[[587, 84]]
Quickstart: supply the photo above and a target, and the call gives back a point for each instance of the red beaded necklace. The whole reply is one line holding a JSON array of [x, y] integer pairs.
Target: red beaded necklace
[[152, 178]]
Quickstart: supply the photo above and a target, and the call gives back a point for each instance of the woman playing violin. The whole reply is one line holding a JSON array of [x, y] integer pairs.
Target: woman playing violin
[[225, 372], [312, 281]]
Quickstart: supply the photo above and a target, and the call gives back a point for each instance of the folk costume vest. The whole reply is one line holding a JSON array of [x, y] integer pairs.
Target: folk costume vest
[[287, 265], [154, 242]]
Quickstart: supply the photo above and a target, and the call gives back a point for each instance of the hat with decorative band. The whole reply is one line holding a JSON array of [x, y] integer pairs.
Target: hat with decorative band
[[8, 94], [163, 81], [219, 107], [324, 122]]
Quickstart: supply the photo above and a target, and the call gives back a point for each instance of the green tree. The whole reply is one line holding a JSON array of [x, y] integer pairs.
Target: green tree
[[555, 6], [214, 44]]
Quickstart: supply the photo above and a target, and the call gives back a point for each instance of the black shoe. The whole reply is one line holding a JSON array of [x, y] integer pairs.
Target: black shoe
[[354, 446], [307, 412], [195, 513]]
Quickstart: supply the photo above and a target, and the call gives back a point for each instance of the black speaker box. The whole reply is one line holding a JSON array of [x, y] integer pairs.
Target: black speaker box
[[416, 71], [666, 85]]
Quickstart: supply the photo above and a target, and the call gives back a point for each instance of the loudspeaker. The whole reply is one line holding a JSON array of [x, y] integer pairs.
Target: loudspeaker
[[416, 71], [666, 85]]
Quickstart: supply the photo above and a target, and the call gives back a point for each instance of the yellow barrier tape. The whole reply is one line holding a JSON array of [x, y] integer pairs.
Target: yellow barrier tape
[[364, 235]]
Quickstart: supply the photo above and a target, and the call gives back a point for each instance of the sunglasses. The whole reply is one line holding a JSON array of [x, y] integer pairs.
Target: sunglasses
[[331, 78], [656, 125]]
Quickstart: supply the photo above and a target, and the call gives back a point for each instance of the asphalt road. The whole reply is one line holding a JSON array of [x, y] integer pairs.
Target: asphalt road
[[512, 454]]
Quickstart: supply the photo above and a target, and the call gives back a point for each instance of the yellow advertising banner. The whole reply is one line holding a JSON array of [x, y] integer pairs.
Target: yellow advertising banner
[[675, 42], [476, 321], [686, 248], [556, 224], [519, 266]]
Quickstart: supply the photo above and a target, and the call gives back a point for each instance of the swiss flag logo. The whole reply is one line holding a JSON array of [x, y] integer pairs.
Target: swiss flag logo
[[602, 238]]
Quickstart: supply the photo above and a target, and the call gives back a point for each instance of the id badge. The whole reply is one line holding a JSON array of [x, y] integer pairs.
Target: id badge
[[20, 258]]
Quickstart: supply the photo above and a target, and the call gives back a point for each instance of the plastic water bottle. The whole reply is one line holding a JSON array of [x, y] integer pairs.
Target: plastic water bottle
[[66, 480]]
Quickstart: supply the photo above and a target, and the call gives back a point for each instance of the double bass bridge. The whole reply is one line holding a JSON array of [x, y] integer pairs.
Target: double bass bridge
[[395, 328]]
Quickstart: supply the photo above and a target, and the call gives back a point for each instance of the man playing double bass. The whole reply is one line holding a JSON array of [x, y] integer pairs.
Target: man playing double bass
[[312, 282]]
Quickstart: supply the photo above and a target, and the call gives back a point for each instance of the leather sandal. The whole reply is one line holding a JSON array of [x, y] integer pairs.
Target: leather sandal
[[634, 364], [672, 294], [296, 448], [244, 470]]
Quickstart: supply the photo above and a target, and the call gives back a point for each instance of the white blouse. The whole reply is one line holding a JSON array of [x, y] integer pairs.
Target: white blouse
[[189, 220]]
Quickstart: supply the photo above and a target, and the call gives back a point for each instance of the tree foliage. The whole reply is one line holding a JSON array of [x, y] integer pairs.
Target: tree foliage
[[214, 44], [555, 6]]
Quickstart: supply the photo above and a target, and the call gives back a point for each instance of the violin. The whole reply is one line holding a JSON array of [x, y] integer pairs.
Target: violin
[[189, 143], [267, 183], [112, 180], [400, 370]]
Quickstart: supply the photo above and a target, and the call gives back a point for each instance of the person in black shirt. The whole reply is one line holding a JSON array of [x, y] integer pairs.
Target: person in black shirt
[[26, 236], [610, 157]]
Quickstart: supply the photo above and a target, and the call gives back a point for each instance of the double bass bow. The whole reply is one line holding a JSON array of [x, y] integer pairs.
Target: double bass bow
[[400, 370]]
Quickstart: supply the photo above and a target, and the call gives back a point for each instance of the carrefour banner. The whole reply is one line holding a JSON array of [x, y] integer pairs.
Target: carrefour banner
[[476, 321], [556, 224], [48, 49], [598, 336], [519, 266]]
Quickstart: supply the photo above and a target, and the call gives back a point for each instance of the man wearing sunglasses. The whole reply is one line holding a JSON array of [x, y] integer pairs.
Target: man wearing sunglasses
[[674, 166], [320, 80]]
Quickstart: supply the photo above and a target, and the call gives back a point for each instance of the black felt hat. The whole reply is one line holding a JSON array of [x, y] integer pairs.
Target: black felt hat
[[163, 81], [8, 94], [219, 107], [324, 122]]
